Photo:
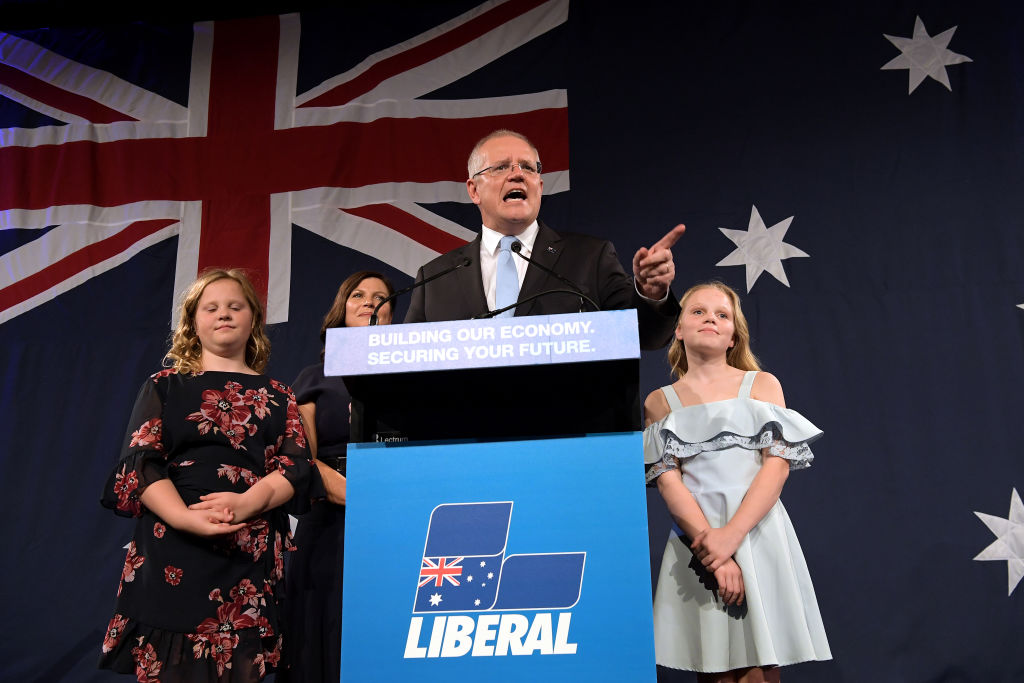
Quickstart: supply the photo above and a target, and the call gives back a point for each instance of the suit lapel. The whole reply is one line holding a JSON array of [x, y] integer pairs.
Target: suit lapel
[[546, 251], [470, 281]]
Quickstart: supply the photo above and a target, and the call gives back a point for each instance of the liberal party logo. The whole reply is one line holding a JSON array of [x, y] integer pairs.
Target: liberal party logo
[[465, 569]]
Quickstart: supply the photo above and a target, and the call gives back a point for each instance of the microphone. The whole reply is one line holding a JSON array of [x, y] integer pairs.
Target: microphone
[[405, 290], [517, 249], [491, 314]]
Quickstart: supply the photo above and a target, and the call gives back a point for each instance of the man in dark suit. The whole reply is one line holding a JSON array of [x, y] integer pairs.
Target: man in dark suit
[[505, 183]]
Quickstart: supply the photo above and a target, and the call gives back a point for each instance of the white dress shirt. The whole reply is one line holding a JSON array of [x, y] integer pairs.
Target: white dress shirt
[[489, 240]]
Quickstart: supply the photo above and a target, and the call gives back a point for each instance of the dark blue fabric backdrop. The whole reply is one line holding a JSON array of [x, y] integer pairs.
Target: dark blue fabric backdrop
[[899, 333]]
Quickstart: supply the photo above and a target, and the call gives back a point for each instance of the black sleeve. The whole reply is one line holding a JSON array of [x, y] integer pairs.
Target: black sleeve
[[417, 308]]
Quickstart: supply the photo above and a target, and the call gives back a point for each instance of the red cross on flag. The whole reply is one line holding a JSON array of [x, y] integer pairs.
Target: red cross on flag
[[353, 159]]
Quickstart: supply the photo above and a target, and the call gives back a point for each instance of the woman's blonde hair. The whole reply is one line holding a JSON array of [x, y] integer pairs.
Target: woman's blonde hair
[[739, 356], [185, 354]]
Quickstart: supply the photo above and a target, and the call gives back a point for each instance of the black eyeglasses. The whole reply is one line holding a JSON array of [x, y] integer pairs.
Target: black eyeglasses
[[525, 167]]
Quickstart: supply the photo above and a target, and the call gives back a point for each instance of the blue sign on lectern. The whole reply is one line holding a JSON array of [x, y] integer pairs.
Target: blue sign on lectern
[[508, 561]]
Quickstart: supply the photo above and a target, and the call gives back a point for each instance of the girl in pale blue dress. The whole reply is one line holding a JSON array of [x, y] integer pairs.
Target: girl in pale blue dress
[[734, 599]]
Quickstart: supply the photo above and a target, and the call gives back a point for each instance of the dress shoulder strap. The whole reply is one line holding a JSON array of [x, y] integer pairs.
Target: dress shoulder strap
[[672, 397], [748, 382]]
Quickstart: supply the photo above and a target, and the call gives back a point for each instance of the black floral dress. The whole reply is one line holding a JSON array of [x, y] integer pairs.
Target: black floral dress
[[202, 609]]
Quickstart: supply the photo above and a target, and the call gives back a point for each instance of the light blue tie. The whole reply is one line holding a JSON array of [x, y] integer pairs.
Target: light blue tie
[[506, 290]]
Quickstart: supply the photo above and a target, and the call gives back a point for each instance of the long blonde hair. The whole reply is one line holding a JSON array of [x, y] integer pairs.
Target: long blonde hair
[[185, 354], [739, 356]]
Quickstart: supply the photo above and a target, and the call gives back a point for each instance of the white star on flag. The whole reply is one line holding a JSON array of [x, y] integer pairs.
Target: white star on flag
[[1009, 543], [760, 249], [925, 55], [435, 599]]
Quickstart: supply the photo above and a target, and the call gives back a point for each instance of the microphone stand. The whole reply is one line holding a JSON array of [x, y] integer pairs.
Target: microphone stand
[[405, 290], [491, 314], [517, 249]]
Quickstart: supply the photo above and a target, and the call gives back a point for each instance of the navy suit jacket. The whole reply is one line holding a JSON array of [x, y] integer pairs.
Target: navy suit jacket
[[588, 262]]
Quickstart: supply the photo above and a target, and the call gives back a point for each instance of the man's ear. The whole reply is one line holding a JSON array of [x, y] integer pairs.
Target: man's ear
[[474, 194]]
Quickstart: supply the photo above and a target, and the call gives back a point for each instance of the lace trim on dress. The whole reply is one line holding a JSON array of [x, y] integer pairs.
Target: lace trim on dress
[[659, 468], [798, 454]]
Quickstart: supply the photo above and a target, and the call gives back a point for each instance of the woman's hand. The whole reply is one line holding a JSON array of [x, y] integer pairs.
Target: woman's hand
[[713, 547], [730, 583]]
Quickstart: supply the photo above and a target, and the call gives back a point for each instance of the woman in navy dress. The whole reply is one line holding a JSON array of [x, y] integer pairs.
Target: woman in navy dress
[[313, 613], [215, 453]]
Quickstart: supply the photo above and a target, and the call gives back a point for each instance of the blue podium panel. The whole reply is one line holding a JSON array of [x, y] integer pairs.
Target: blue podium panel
[[503, 561]]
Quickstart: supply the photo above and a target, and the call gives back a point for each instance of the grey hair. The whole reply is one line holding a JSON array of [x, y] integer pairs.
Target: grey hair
[[476, 158]]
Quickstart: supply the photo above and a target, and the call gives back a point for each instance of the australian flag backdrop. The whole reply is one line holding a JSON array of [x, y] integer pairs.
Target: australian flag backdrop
[[855, 170]]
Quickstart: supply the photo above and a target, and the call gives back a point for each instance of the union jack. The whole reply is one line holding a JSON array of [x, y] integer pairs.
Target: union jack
[[440, 571], [352, 159]]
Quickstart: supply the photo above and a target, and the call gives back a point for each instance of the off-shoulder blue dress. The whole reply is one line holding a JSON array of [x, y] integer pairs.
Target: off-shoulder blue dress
[[717, 449]]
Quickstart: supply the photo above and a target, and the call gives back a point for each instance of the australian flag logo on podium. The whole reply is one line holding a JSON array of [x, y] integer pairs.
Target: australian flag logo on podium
[[465, 569]]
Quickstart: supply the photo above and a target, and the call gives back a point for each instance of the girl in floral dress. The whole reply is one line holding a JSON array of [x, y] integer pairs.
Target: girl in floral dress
[[214, 454]]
